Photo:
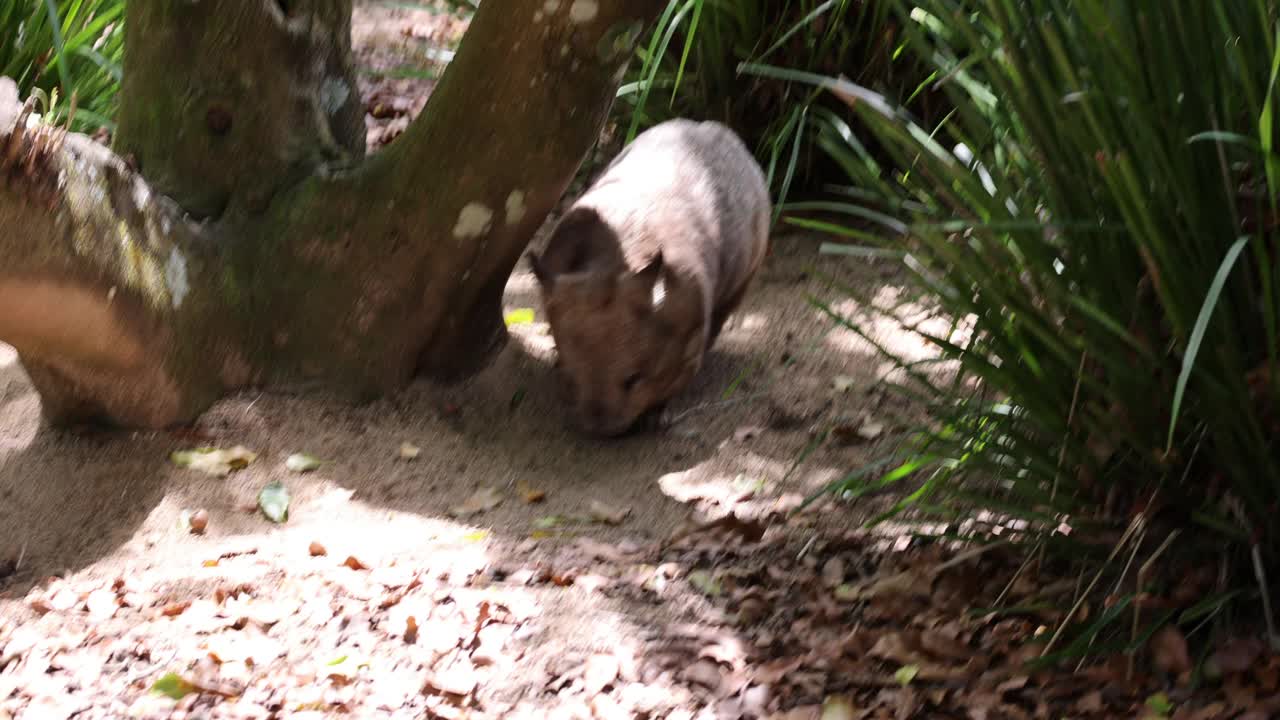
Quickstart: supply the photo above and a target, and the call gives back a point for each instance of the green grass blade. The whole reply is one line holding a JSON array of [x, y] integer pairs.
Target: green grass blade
[[1197, 333]]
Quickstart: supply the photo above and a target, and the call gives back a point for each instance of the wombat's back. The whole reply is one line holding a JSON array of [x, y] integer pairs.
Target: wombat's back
[[694, 191]]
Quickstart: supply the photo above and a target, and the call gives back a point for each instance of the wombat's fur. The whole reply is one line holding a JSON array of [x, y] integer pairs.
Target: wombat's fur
[[641, 272]]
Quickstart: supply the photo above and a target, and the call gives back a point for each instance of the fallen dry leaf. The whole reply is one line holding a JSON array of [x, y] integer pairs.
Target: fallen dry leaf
[[704, 672], [214, 461], [302, 462], [1237, 655], [481, 500], [1169, 650], [750, 531], [601, 512], [530, 495], [909, 583], [833, 571], [870, 429], [355, 563], [837, 707], [1090, 703], [598, 550], [940, 643], [409, 451], [705, 583]]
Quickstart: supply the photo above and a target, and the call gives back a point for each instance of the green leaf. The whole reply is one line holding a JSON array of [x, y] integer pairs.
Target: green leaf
[[1197, 333], [705, 583], [1159, 703], [173, 686], [906, 674], [274, 501]]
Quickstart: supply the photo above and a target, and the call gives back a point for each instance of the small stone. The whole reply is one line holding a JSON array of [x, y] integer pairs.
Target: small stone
[[199, 521]]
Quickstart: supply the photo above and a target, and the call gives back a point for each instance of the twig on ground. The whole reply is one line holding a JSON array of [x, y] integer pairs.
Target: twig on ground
[[1138, 521], [1143, 572]]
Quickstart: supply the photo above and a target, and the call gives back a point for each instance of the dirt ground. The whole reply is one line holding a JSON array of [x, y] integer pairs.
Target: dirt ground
[[511, 567], [92, 508]]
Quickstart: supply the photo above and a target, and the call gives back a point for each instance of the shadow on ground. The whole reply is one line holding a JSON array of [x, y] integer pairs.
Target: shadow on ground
[[108, 506]]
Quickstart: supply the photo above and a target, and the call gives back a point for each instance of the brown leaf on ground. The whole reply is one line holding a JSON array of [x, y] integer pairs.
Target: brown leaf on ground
[[529, 494], [908, 583], [1237, 655], [603, 513], [1090, 703], [704, 672], [750, 531], [944, 643], [838, 707], [597, 550], [1169, 650], [481, 500]]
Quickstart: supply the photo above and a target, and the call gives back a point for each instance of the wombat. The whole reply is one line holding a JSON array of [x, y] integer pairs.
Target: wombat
[[643, 269]]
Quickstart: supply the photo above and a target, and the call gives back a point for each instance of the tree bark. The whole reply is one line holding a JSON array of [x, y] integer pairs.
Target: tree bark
[[240, 238]]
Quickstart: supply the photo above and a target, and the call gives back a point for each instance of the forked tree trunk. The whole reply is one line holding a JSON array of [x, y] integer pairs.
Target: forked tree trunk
[[240, 237]]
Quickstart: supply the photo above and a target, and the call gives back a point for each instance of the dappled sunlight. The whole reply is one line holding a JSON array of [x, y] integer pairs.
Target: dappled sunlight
[[700, 482], [745, 328], [898, 332], [748, 482], [535, 338]]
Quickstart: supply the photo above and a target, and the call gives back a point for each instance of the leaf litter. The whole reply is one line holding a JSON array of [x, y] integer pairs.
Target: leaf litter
[[344, 635], [214, 461]]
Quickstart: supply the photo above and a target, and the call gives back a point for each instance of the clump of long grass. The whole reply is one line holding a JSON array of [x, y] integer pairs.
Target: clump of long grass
[[689, 67], [1100, 207], [69, 53]]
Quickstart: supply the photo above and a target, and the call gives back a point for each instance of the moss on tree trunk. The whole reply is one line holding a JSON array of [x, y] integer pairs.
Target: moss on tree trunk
[[254, 244]]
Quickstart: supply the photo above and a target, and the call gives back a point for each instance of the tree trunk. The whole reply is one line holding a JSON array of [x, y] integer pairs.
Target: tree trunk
[[240, 238]]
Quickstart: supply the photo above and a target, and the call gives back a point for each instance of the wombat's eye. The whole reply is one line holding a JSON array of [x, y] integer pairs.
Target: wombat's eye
[[630, 381]]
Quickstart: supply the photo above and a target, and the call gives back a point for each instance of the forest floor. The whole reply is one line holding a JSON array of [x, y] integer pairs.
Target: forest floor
[[458, 553]]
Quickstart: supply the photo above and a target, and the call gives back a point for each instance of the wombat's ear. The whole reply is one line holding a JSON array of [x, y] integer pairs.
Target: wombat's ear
[[582, 242], [649, 274], [545, 278]]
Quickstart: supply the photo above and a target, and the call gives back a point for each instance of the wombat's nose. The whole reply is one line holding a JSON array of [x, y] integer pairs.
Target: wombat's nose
[[593, 418], [595, 415]]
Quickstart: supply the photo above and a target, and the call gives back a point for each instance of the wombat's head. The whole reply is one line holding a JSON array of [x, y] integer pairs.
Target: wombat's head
[[627, 340]]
